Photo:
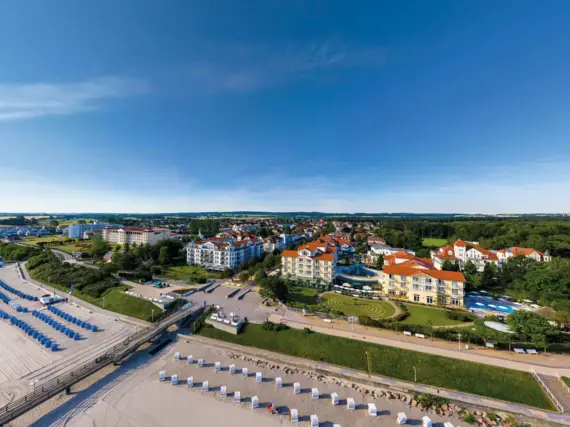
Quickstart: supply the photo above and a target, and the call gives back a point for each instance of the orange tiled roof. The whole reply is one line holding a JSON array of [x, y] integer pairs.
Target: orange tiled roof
[[437, 274]]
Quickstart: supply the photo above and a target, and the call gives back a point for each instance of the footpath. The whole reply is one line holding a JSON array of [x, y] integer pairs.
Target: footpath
[[552, 365]]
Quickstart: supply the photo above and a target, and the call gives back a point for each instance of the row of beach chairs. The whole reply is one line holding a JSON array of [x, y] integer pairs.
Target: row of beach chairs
[[294, 414]]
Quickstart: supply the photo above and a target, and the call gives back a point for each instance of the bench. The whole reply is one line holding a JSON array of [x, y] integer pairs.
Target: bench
[[519, 350], [420, 336], [408, 333]]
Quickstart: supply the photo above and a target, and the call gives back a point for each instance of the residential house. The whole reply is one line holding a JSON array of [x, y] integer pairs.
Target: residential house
[[378, 249], [461, 252], [273, 243], [505, 254]]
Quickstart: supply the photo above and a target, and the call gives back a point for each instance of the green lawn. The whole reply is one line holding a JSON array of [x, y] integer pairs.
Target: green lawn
[[116, 300], [351, 306], [420, 314], [437, 371], [566, 381], [302, 296], [187, 272], [34, 240], [433, 242]]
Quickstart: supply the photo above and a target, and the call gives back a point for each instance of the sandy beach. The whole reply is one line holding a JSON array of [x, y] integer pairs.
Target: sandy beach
[[133, 396]]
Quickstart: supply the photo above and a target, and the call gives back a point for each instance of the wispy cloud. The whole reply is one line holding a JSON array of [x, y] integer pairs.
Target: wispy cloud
[[25, 101], [251, 67]]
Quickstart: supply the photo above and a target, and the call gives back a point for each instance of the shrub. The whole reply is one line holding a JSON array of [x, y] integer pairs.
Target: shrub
[[307, 331], [276, 327], [201, 321], [470, 419], [492, 416], [460, 316]]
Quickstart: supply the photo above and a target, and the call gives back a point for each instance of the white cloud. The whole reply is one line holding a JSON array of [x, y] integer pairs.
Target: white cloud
[[25, 101], [251, 67]]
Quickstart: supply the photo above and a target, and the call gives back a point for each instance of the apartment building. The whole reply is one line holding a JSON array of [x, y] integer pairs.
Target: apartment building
[[314, 260], [221, 254], [461, 252], [505, 254], [132, 235], [425, 286]]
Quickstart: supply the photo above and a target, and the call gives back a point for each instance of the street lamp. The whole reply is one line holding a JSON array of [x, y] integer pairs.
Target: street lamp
[[103, 303], [459, 343], [152, 316], [415, 375]]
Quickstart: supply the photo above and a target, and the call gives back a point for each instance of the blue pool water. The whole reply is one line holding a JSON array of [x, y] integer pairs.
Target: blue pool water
[[481, 302]]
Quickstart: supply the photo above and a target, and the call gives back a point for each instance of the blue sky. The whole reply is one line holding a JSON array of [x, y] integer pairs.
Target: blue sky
[[444, 106]]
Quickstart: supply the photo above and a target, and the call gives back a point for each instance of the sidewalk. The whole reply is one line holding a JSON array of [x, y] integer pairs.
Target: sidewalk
[[548, 365]]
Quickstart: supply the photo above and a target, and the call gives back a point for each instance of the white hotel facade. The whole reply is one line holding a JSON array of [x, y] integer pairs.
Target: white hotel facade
[[221, 254], [131, 235]]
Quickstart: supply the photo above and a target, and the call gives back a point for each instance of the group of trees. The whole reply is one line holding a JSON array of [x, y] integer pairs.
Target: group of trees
[[12, 252], [208, 227], [48, 268], [539, 233], [258, 267], [546, 282], [18, 220], [147, 259]]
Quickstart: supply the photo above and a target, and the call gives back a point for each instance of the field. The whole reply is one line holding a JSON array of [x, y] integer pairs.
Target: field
[[188, 273], [46, 239], [69, 248], [358, 307], [419, 315], [25, 216], [469, 377], [433, 242]]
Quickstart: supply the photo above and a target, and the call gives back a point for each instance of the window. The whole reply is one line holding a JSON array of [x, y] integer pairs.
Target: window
[[454, 301], [416, 298], [429, 300]]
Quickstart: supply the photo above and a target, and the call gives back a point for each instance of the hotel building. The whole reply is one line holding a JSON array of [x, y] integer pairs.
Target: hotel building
[[425, 286], [314, 260], [131, 235], [221, 254]]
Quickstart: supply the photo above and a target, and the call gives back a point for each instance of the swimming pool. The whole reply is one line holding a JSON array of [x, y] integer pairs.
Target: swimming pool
[[480, 302]]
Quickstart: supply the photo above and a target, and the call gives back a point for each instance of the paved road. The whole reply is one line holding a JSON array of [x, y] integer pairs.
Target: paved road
[[298, 321]]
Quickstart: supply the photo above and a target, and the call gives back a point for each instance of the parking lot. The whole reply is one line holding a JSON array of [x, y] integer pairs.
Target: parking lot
[[249, 306], [24, 362]]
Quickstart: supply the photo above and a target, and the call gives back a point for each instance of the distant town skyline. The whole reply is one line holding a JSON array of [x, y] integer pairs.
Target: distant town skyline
[[285, 106]]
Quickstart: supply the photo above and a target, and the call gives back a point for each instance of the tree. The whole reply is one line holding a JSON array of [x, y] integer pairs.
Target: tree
[[527, 324], [379, 264], [449, 265], [488, 278], [54, 223], [329, 228], [469, 269], [243, 276], [273, 287], [164, 256], [81, 221], [260, 275], [99, 248]]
